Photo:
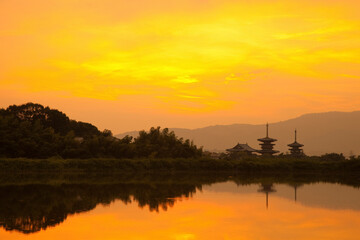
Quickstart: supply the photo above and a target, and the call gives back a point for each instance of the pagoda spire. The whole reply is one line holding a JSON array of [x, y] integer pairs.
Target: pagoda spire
[[295, 134], [267, 129]]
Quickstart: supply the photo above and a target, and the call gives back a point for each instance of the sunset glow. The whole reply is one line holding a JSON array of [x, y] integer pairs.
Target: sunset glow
[[181, 63]]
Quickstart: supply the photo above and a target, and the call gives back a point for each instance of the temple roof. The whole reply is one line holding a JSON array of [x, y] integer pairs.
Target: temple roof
[[295, 144], [267, 151], [267, 139], [241, 148]]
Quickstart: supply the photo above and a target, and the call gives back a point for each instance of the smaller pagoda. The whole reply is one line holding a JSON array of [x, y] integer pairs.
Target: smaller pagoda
[[267, 144], [295, 148], [241, 149]]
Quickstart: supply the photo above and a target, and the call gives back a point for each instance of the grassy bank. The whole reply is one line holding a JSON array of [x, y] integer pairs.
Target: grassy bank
[[196, 164]]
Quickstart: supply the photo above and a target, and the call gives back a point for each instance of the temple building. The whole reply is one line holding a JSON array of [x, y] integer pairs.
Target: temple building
[[241, 149], [267, 144], [295, 148]]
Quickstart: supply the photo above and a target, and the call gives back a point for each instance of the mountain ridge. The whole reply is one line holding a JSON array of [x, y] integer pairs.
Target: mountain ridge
[[321, 133]]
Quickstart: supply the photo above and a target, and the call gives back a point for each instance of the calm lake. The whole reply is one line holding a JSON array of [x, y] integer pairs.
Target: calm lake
[[179, 206]]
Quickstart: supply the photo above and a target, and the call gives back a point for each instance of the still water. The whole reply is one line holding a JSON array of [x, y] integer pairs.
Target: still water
[[179, 207]]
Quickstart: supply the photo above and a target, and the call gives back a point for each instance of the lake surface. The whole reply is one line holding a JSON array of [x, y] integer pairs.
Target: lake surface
[[179, 206]]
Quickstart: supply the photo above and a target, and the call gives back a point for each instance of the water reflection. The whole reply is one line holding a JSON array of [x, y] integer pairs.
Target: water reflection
[[295, 186], [30, 208], [30, 203], [267, 188]]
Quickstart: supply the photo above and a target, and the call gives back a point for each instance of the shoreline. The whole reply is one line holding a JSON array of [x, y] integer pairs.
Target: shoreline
[[175, 178], [255, 165]]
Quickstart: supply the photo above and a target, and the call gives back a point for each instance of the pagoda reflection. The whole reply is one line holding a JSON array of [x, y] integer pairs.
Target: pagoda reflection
[[267, 188]]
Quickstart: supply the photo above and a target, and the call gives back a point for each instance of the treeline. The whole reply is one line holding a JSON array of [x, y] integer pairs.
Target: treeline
[[34, 131], [332, 157]]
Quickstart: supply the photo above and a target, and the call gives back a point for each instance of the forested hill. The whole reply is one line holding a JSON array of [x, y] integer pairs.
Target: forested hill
[[34, 131], [32, 113]]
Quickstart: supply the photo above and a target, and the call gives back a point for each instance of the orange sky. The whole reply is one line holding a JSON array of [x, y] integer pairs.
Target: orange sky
[[126, 65]]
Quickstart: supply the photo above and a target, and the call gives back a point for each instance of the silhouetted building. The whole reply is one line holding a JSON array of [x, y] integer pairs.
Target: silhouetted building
[[241, 149], [267, 144], [295, 148]]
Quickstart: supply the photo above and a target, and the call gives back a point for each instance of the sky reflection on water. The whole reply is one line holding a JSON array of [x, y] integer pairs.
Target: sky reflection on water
[[222, 210]]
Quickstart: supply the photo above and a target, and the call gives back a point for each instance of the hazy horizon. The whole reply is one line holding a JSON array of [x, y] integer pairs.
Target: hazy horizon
[[148, 126], [242, 123]]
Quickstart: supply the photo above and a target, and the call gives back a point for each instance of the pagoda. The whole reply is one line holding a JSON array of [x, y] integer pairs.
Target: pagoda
[[295, 148], [267, 144]]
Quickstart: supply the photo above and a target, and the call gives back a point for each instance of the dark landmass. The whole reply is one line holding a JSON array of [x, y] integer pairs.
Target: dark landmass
[[320, 133], [34, 131], [326, 163], [37, 138]]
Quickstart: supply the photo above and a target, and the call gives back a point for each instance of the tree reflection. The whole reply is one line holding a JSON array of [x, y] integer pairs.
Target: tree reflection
[[31, 208], [30, 204]]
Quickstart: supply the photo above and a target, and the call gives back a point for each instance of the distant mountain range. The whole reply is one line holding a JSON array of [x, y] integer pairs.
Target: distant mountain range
[[320, 133]]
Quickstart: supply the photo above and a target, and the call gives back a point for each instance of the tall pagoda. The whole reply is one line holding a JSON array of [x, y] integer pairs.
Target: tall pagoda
[[267, 144], [295, 148]]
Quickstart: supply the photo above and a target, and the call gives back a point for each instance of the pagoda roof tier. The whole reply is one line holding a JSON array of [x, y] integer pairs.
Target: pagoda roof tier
[[267, 144], [241, 148], [267, 151], [295, 144], [267, 139], [295, 150]]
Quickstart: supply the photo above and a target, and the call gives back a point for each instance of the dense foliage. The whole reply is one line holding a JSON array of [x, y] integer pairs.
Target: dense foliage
[[34, 131], [157, 143]]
